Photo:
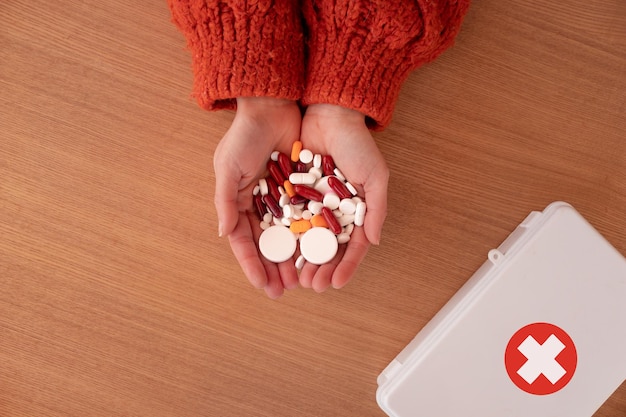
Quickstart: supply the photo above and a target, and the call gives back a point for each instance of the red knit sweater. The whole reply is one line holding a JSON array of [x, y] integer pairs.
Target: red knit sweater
[[353, 53]]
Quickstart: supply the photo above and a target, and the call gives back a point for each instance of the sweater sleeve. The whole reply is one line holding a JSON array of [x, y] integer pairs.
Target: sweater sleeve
[[361, 51], [242, 48]]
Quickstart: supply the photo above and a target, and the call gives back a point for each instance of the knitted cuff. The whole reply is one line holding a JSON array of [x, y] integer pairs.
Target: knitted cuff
[[361, 51], [242, 48]]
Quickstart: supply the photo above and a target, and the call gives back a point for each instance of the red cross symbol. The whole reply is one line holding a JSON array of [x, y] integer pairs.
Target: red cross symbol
[[540, 358]]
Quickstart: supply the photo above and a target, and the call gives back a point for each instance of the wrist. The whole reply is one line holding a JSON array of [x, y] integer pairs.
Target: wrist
[[335, 112], [260, 105]]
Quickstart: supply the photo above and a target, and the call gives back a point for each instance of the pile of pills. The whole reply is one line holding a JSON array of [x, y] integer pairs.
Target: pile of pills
[[305, 198]]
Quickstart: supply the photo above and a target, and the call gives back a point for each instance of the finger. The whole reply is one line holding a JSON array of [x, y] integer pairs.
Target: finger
[[288, 274], [376, 200], [355, 253], [323, 276], [226, 192], [307, 273], [246, 252]]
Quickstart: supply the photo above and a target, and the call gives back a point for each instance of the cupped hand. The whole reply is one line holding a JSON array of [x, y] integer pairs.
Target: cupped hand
[[261, 125], [342, 133]]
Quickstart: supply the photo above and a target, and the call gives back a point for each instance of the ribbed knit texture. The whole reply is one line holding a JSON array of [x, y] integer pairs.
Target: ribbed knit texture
[[360, 52], [242, 48]]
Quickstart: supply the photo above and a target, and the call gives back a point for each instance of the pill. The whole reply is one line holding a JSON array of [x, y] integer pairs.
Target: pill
[[306, 215], [343, 238], [317, 161], [317, 172], [277, 244], [300, 262], [285, 221], [346, 219], [318, 221], [272, 205], [301, 167], [328, 165], [267, 217], [299, 206], [306, 156], [351, 188], [256, 190], [259, 206], [315, 207], [322, 186], [302, 178], [295, 151], [347, 206], [331, 200], [308, 192], [297, 213], [285, 164], [284, 200], [275, 172], [287, 210], [289, 188], [281, 190], [349, 229], [337, 213], [339, 187], [274, 156], [263, 186], [300, 226], [264, 225], [297, 199], [277, 221], [318, 245], [359, 214], [331, 220], [356, 199], [339, 174], [272, 188]]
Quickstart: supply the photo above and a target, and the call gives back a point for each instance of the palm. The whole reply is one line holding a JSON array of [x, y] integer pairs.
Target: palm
[[354, 151], [239, 162]]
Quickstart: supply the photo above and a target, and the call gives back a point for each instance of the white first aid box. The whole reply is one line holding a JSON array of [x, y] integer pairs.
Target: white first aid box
[[539, 330]]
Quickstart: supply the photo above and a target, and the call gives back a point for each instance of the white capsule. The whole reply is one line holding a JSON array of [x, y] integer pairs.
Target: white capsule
[[284, 200], [359, 214], [256, 190], [281, 190], [339, 174], [351, 188], [274, 156], [343, 238], [315, 207], [317, 172], [267, 218], [306, 156], [317, 161], [306, 215], [263, 186], [346, 219], [347, 206], [322, 185], [331, 200], [302, 178], [287, 211], [300, 262]]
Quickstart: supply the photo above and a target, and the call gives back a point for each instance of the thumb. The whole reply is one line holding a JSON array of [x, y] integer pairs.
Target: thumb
[[376, 200], [226, 191]]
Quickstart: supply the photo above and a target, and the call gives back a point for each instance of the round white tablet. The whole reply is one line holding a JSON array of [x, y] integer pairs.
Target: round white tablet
[[318, 245], [277, 244]]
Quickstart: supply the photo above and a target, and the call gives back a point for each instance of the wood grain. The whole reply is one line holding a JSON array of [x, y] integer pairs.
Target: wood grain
[[119, 299]]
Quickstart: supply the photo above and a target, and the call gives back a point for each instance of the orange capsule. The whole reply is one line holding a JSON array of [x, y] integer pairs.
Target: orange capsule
[[289, 188], [300, 226], [318, 221], [295, 151]]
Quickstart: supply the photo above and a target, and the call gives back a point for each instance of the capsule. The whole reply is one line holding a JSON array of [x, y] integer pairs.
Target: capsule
[[259, 206], [339, 187], [331, 220], [289, 188], [328, 165], [272, 188], [308, 192], [301, 167], [295, 151], [273, 206], [300, 226], [297, 199], [285, 164], [275, 172]]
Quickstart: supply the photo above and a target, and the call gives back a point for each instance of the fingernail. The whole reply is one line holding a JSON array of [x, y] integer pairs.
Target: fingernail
[[219, 229]]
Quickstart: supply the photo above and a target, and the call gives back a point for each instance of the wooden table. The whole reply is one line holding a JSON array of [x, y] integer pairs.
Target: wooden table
[[118, 298]]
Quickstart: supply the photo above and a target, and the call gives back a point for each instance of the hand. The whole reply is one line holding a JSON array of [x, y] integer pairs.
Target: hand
[[342, 134], [261, 125]]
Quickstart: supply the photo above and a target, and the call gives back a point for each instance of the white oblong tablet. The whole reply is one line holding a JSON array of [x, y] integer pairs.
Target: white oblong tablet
[[277, 244], [318, 245]]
